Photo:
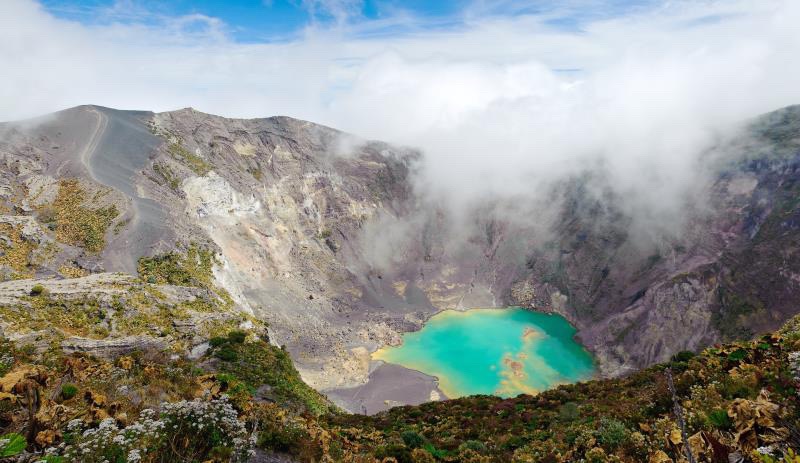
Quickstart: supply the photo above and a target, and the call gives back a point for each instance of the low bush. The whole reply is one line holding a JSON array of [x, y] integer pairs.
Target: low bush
[[412, 439], [683, 356], [568, 412], [217, 341], [68, 391], [226, 353], [237, 337], [38, 290], [612, 433], [182, 431]]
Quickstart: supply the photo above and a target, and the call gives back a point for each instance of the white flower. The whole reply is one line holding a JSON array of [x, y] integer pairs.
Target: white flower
[[766, 450]]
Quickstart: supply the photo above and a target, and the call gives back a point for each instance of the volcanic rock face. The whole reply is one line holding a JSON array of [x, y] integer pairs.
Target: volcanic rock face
[[324, 238]]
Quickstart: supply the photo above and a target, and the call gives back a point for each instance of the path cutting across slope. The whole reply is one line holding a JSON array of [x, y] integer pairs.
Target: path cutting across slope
[[118, 149]]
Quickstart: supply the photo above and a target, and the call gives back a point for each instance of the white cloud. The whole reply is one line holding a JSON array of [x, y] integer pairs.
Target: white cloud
[[487, 101]]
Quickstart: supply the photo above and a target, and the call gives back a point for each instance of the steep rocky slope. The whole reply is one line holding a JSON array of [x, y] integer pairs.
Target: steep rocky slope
[[324, 238]]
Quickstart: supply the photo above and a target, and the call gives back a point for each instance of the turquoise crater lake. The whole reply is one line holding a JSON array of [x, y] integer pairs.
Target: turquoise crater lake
[[503, 352]]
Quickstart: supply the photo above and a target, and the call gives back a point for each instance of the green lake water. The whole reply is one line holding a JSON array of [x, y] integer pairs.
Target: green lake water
[[504, 352]]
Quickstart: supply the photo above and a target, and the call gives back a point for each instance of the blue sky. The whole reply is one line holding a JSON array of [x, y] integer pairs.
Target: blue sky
[[249, 20], [275, 20]]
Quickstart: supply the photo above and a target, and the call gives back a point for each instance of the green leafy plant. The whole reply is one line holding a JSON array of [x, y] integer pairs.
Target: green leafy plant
[[11, 444], [720, 419], [437, 453], [737, 355]]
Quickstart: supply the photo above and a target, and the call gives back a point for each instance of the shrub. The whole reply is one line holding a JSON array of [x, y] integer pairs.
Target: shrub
[[412, 439], [38, 290], [237, 337], [185, 431], [197, 164], [283, 437], [474, 445], [437, 453], [612, 433], [226, 353], [6, 359], [68, 391], [204, 428], [422, 456], [217, 341], [683, 356], [399, 452], [790, 456], [194, 268], [568, 412], [735, 388], [737, 355], [258, 363]]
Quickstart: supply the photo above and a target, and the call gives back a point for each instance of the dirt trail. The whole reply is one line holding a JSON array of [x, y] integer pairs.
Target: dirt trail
[[118, 149]]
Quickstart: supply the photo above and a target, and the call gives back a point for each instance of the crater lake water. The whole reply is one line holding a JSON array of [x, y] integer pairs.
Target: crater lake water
[[503, 352]]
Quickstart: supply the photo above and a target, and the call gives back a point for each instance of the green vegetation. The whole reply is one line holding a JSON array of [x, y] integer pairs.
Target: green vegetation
[[16, 253], [38, 290], [628, 419], [730, 320], [257, 363], [68, 391], [735, 398], [81, 317], [166, 173], [612, 433], [175, 149], [719, 419], [11, 444], [76, 224], [223, 346], [194, 162], [790, 457], [412, 439], [194, 268]]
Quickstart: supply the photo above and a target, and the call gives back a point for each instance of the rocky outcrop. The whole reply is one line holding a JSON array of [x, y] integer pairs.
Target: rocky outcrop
[[28, 226], [110, 349]]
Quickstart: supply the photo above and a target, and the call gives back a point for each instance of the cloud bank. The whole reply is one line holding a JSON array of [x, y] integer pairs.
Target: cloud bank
[[501, 105]]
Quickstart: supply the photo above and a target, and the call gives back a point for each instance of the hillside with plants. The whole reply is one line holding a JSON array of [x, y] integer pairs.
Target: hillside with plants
[[244, 401]]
